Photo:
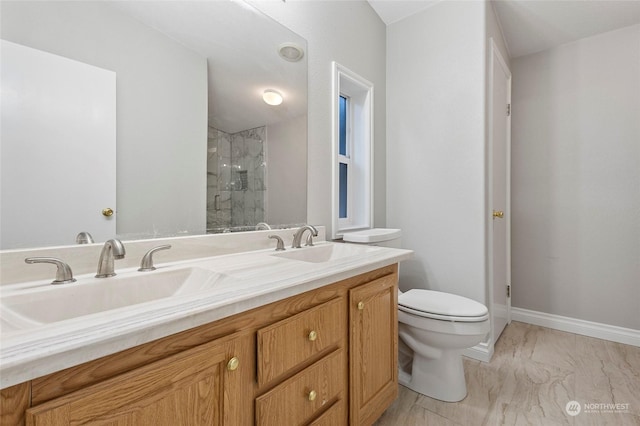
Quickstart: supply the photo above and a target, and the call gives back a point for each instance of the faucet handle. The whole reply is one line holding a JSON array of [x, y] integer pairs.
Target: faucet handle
[[64, 275], [280, 243], [309, 240], [84, 238], [147, 260]]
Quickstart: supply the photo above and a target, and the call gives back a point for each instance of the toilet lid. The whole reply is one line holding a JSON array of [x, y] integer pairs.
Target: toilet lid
[[440, 305]]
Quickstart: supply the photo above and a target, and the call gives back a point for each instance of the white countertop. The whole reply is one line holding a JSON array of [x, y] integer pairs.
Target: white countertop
[[254, 279]]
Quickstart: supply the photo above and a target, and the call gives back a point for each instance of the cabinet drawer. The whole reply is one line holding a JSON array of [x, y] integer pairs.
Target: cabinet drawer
[[334, 416], [292, 403], [287, 343]]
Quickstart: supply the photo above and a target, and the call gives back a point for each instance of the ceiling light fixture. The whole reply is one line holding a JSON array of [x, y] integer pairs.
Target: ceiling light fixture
[[272, 97], [291, 52]]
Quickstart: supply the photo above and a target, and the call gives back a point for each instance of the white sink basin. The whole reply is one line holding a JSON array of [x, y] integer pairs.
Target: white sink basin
[[326, 253], [32, 307]]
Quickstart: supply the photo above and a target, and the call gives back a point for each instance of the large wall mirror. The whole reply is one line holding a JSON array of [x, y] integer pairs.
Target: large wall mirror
[[197, 148]]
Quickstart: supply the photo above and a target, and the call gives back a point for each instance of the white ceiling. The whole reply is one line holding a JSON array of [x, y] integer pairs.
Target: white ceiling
[[240, 45], [531, 26], [391, 11]]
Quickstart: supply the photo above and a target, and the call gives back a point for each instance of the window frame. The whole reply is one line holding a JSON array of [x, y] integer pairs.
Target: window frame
[[359, 151]]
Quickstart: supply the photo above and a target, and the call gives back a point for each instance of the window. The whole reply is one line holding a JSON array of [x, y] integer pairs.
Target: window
[[353, 151], [344, 162]]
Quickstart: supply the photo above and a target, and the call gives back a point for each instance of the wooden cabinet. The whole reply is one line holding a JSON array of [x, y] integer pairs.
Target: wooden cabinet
[[305, 396], [288, 343], [319, 336], [324, 357], [200, 386], [14, 401], [373, 348], [332, 417]]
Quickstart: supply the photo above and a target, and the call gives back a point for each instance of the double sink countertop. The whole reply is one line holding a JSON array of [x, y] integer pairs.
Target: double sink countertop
[[46, 328]]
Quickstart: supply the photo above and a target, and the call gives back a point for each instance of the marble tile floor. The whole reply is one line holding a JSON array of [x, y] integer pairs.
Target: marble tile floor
[[534, 373]]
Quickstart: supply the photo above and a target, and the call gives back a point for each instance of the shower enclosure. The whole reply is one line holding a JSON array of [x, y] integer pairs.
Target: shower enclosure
[[236, 174]]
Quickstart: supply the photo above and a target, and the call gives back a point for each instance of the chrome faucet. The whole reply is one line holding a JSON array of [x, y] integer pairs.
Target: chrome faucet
[[297, 237], [112, 249], [63, 274]]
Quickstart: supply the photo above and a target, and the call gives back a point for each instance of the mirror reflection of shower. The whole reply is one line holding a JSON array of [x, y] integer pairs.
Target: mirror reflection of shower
[[236, 174]]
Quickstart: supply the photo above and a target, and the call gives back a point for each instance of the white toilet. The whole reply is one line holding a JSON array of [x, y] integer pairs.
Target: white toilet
[[434, 328]]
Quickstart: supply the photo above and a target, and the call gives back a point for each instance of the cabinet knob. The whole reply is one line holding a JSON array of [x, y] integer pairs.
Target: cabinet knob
[[360, 306], [313, 335], [312, 395], [107, 212], [233, 364]]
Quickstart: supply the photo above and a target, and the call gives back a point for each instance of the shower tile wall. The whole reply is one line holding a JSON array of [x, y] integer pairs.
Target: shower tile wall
[[247, 194], [236, 169], [218, 172]]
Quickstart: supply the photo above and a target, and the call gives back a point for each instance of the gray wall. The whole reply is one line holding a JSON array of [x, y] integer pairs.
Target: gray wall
[[161, 96], [286, 162], [436, 150], [352, 34], [576, 179]]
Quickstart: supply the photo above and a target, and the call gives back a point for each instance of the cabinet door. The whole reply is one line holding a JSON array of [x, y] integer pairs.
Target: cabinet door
[[373, 355], [200, 386]]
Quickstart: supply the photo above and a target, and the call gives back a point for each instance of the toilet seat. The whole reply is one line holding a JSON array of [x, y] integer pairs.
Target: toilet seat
[[442, 306]]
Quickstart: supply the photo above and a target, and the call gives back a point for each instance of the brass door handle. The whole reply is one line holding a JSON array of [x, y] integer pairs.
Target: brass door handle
[[499, 214], [107, 212]]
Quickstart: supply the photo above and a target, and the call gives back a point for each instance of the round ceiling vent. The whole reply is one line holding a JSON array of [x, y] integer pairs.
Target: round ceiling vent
[[291, 52]]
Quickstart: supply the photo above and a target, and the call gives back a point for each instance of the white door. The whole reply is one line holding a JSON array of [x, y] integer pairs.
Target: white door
[[500, 155], [52, 106]]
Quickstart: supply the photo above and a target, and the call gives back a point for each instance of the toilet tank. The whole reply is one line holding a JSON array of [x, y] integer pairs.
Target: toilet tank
[[385, 237]]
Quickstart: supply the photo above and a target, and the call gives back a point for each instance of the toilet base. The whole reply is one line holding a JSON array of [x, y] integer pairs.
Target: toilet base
[[441, 378]]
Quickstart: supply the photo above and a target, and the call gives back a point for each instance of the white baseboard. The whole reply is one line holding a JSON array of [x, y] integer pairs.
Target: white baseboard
[[613, 333], [483, 351]]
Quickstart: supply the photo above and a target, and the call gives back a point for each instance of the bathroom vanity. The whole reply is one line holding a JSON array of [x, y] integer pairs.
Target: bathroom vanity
[[326, 354]]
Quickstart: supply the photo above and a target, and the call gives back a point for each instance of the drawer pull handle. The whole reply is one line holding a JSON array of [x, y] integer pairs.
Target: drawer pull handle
[[360, 306], [233, 364], [312, 395], [313, 335]]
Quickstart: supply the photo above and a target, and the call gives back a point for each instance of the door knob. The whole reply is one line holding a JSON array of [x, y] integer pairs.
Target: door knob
[[498, 214]]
